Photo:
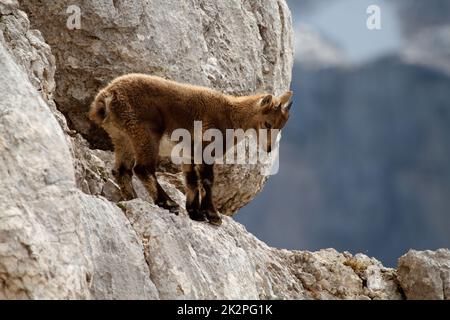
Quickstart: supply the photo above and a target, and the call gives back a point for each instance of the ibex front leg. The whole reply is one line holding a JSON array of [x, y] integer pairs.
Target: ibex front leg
[[207, 206], [192, 193]]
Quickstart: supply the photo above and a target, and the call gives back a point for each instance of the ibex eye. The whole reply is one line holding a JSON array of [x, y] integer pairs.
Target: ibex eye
[[267, 125]]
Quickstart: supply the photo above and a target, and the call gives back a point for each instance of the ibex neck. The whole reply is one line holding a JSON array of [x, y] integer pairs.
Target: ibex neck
[[240, 112]]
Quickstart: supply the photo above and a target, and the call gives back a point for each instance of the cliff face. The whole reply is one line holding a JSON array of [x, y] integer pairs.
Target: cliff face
[[236, 46], [61, 238], [55, 240]]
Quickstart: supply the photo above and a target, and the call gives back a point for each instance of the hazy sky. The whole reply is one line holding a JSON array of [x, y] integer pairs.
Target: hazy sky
[[344, 21], [332, 191]]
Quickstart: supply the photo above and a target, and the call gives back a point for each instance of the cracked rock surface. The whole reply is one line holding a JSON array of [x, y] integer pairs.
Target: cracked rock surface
[[425, 274], [55, 241], [191, 260]]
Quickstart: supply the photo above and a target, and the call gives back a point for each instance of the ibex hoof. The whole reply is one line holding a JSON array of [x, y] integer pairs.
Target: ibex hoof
[[213, 218], [196, 215]]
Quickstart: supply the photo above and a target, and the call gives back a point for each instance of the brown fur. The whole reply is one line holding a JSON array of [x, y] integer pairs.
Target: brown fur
[[137, 110]]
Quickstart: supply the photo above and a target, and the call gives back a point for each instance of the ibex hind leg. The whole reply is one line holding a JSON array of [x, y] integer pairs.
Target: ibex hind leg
[[146, 147], [123, 166]]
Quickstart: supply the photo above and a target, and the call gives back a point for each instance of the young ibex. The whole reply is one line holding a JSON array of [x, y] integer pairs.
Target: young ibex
[[138, 111]]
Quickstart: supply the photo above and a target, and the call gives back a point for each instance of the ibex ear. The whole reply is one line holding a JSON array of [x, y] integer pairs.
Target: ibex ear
[[266, 101]]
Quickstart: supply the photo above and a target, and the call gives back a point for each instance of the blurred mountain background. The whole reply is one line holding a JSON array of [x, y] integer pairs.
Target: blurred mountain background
[[365, 157]]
